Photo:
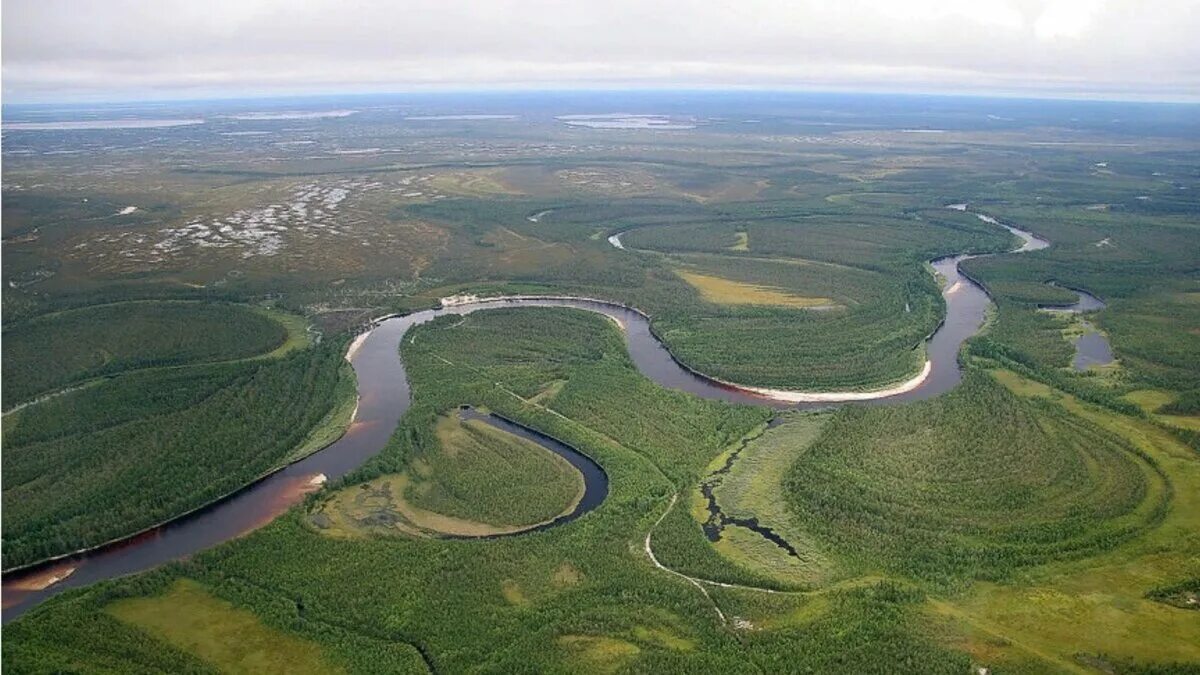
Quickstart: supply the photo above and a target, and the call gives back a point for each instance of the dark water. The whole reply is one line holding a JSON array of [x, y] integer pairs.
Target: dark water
[[595, 481], [1086, 302], [1091, 348], [718, 520], [384, 396]]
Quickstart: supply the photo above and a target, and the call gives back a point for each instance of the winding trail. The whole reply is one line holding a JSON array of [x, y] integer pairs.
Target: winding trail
[[698, 583], [384, 396]]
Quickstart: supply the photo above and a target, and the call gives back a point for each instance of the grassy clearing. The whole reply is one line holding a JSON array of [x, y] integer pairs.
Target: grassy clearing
[[1152, 401], [729, 292], [597, 654], [296, 326], [230, 639], [476, 483], [480, 473], [549, 392], [382, 507], [754, 488], [478, 183]]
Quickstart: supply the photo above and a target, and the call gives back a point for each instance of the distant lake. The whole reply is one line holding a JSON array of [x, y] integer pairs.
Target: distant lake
[[622, 121], [76, 125], [458, 118]]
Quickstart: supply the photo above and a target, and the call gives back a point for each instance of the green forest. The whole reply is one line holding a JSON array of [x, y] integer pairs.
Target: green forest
[[145, 445], [586, 594], [64, 348], [1032, 517]]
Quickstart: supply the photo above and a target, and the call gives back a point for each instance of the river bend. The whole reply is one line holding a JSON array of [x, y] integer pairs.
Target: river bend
[[384, 396]]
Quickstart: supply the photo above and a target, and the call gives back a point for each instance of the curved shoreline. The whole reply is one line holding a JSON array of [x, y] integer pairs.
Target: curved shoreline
[[777, 395], [789, 396], [384, 395], [593, 476], [117, 541], [1029, 242]]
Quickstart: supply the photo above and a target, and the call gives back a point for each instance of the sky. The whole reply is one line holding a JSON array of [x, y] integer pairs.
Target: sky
[[112, 50]]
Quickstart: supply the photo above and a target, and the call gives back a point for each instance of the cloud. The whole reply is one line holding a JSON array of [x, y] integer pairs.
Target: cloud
[[1066, 19], [79, 49]]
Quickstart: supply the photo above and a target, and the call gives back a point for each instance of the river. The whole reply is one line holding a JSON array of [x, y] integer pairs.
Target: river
[[384, 396]]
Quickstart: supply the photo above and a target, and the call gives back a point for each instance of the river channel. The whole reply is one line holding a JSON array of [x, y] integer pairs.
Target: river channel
[[384, 396]]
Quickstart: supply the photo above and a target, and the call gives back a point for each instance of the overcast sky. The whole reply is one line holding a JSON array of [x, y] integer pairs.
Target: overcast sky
[[129, 49]]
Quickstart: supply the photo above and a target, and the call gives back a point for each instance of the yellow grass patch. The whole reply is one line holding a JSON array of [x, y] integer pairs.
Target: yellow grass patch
[[231, 639], [1182, 421], [729, 292], [1022, 386], [478, 183], [1150, 400], [663, 638], [549, 392], [513, 594], [742, 243], [597, 654], [380, 506]]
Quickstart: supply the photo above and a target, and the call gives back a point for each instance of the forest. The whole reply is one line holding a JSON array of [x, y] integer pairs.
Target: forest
[[550, 596], [65, 348], [150, 443], [1033, 518]]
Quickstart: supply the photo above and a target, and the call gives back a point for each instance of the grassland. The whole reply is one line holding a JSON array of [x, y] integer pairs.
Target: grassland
[[217, 633], [728, 292], [137, 628], [754, 488], [1166, 407]]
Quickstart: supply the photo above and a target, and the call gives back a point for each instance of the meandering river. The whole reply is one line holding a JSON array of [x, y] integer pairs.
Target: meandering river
[[384, 396]]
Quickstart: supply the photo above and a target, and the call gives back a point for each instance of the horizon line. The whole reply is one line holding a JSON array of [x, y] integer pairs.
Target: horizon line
[[1074, 97]]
